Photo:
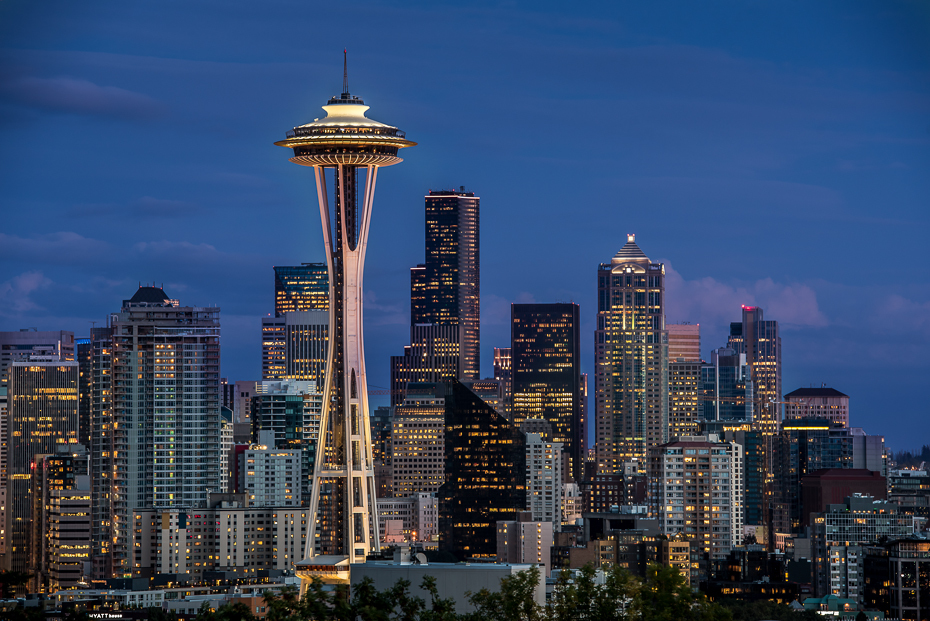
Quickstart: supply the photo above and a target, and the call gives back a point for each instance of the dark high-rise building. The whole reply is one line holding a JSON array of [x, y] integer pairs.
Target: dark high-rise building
[[83, 354], [485, 471], [631, 356], [452, 278], [726, 388], [274, 346], [546, 349], [43, 403], [759, 340], [300, 288], [753, 444]]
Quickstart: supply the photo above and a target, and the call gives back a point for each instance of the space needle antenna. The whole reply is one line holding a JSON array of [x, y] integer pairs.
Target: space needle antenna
[[345, 70]]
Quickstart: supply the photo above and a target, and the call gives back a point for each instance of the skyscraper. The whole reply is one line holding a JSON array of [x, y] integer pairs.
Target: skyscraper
[[631, 356], [274, 348], [451, 276], [345, 141], [101, 451], [166, 430], [18, 346], [43, 398], [759, 340], [546, 350], [300, 288]]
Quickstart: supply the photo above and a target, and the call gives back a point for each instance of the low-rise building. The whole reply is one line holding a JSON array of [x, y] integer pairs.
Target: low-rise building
[[839, 536], [418, 514], [230, 536], [525, 541]]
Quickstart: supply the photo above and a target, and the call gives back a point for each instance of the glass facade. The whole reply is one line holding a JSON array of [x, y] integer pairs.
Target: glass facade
[[300, 288], [485, 469]]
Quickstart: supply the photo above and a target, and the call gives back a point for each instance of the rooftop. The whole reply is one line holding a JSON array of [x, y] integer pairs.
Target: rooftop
[[630, 251], [815, 392]]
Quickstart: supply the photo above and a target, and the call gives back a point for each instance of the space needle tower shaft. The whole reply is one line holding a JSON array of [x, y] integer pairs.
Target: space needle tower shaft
[[347, 149]]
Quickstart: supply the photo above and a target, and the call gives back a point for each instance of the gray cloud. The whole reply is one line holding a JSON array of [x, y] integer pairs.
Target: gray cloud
[[16, 293], [77, 96], [63, 247]]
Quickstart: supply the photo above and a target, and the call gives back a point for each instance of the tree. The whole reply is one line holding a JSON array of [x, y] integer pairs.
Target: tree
[[514, 601]]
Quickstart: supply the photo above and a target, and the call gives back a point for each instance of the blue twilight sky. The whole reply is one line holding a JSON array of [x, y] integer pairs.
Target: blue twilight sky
[[770, 153]]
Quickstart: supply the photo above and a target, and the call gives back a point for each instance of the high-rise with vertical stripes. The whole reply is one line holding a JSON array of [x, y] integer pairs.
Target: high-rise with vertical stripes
[[631, 357]]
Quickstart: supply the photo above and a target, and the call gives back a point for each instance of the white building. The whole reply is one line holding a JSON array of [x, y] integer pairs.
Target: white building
[[696, 488], [271, 477], [230, 536], [544, 479]]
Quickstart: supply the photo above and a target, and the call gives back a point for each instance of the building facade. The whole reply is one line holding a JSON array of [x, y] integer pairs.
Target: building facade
[[485, 471], [43, 414], [418, 442], [165, 399], [546, 358], [631, 357], [434, 355], [271, 477], [228, 537], [695, 488], [543, 479], [726, 388], [684, 342], [684, 398], [451, 285], [823, 402], [838, 538], [301, 288], [503, 372], [760, 341]]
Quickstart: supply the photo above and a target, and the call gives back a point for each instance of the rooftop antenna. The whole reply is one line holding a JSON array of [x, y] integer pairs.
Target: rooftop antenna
[[345, 71]]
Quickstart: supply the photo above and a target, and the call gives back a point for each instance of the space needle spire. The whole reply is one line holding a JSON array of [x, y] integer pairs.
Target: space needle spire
[[345, 148]]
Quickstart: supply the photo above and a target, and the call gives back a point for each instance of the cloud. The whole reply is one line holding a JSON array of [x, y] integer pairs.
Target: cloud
[[62, 247], [77, 96], [16, 293], [709, 301], [495, 310], [145, 207], [895, 313]]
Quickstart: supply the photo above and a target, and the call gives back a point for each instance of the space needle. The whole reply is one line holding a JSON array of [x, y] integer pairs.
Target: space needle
[[348, 148]]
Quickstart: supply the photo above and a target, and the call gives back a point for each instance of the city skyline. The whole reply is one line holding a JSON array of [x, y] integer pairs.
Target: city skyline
[[746, 200]]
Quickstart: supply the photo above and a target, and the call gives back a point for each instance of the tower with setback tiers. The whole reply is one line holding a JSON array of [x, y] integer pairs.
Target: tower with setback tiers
[[346, 149]]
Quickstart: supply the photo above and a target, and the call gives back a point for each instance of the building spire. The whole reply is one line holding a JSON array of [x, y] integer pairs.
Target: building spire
[[345, 71]]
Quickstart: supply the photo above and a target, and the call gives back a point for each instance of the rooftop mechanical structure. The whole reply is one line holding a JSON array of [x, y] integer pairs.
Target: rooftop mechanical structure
[[348, 148]]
